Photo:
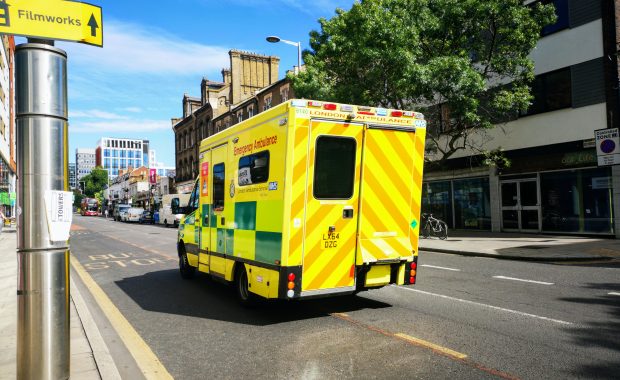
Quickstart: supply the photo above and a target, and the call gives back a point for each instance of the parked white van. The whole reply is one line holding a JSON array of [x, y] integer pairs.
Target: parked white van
[[169, 202]]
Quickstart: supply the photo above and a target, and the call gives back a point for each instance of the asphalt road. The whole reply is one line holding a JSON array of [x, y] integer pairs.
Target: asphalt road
[[467, 318]]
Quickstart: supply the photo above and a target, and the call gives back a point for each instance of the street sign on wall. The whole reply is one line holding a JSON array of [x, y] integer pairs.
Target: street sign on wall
[[607, 146], [52, 19]]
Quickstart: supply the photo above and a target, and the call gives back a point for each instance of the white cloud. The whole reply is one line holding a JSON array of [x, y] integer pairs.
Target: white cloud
[[124, 126], [133, 109], [96, 114], [135, 48]]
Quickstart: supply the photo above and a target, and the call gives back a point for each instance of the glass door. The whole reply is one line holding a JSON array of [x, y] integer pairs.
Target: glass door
[[520, 205]]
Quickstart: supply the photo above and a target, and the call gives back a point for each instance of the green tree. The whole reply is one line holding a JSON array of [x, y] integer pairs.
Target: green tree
[[463, 63], [77, 198], [95, 182]]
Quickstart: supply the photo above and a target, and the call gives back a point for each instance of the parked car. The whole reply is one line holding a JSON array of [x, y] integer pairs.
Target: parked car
[[122, 215], [146, 217], [133, 214], [118, 208]]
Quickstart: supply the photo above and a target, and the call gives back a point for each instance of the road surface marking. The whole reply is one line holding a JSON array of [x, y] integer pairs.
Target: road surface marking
[[443, 351], [522, 280], [485, 305], [436, 267], [432, 346], [614, 294], [147, 361]]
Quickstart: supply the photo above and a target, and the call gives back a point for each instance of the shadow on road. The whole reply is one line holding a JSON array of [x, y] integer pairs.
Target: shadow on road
[[600, 334], [165, 292]]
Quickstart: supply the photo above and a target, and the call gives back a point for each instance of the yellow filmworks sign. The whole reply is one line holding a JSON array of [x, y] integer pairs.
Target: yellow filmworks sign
[[52, 19]]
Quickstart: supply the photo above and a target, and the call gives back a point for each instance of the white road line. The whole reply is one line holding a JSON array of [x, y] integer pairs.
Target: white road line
[[487, 306], [436, 267], [613, 294], [522, 280]]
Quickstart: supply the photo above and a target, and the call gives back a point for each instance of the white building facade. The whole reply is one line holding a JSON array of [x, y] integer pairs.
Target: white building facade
[[554, 184], [120, 154], [84, 162]]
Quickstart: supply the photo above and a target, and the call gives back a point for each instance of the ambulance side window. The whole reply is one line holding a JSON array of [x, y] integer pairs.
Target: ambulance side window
[[218, 187], [334, 168], [254, 168]]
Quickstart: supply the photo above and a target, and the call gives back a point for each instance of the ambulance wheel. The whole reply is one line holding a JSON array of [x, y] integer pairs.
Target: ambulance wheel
[[187, 271], [242, 287]]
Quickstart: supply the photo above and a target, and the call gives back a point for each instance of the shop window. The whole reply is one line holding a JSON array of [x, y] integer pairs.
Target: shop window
[[472, 204], [254, 168], [218, 187], [437, 200], [334, 168], [577, 201], [551, 91]]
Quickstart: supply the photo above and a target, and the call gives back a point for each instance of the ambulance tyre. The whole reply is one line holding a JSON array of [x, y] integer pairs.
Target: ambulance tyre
[[246, 298], [187, 271]]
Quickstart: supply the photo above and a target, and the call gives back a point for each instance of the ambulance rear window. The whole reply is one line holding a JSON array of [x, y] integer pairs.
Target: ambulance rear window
[[334, 168]]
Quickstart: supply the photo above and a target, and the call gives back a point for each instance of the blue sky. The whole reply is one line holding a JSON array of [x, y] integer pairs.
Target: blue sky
[[156, 51]]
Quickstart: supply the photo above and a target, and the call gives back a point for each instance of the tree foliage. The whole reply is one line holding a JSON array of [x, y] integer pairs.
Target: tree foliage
[[464, 63], [94, 182]]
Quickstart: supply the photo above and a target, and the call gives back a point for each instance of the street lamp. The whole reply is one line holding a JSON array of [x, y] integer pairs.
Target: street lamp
[[276, 39]]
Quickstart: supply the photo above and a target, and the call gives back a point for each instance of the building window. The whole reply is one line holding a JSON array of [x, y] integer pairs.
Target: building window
[[561, 11], [239, 116], [267, 102], [472, 204], [551, 91], [284, 93], [577, 201], [254, 168], [334, 169], [251, 111], [437, 200]]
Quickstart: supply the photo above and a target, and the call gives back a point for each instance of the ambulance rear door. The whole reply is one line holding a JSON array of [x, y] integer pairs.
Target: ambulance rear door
[[332, 202], [388, 190]]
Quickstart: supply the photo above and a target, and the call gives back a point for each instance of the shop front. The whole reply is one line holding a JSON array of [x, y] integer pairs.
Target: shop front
[[556, 189], [462, 203]]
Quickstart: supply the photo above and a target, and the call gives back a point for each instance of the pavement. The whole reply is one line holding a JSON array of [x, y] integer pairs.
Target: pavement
[[529, 247], [90, 358]]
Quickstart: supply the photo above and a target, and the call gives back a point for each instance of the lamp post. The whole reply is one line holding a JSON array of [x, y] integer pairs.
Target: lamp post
[[276, 39]]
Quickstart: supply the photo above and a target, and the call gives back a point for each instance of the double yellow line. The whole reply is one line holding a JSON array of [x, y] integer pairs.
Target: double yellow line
[[147, 361]]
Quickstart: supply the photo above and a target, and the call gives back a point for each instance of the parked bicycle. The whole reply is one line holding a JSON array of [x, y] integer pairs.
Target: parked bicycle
[[433, 227]]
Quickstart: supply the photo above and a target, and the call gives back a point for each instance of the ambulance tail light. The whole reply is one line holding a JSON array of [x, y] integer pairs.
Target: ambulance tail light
[[291, 285], [411, 271]]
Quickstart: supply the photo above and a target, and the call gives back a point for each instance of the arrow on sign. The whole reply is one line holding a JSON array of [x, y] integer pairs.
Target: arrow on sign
[[93, 25]]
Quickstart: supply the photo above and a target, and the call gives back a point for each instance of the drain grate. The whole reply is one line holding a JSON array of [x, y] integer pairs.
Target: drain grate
[[534, 246]]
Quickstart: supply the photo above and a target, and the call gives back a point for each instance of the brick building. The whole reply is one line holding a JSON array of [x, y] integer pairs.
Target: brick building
[[219, 106]]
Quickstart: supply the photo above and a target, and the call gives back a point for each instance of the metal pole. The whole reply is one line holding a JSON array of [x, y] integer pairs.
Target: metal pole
[[298, 58], [43, 265]]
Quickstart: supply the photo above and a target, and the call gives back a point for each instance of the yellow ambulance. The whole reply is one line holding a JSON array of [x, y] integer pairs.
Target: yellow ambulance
[[307, 199]]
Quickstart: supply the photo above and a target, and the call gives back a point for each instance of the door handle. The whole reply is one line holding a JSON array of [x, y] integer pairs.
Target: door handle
[[347, 213], [206, 220], [222, 221]]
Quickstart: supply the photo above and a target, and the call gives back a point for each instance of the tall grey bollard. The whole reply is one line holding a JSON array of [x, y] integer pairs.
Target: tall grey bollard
[[43, 264]]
